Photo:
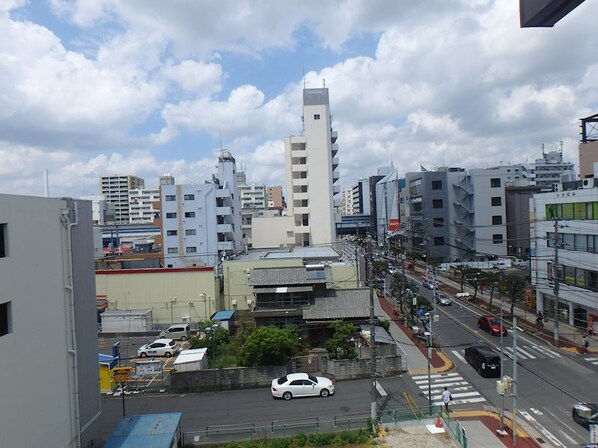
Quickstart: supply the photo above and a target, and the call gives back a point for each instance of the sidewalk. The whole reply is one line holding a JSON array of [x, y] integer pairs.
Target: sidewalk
[[481, 425]]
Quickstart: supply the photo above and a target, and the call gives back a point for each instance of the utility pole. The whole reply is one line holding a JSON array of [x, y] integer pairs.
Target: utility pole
[[502, 369], [430, 338], [373, 406], [555, 277], [514, 391]]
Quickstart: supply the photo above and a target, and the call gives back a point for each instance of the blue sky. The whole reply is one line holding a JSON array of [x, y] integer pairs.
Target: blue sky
[[146, 87]]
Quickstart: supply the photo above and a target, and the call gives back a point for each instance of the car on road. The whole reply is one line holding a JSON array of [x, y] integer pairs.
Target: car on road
[[443, 299], [484, 359], [585, 414], [491, 325], [160, 347], [295, 385]]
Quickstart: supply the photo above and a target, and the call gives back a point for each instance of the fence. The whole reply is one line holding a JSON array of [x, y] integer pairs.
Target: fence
[[214, 434]]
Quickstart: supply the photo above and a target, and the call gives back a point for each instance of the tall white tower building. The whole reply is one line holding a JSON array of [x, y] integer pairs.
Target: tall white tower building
[[311, 164], [115, 189]]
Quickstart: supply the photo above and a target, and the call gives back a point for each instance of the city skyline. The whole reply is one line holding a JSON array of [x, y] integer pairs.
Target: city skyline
[[106, 87]]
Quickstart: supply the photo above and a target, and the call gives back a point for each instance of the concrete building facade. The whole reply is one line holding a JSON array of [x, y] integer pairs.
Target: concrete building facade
[[311, 163], [115, 189], [48, 336], [142, 205]]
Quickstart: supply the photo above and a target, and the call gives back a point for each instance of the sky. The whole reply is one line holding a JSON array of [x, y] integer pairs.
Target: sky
[[149, 87]]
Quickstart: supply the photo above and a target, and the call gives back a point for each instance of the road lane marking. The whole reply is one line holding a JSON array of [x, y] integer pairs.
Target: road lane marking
[[380, 389], [458, 355]]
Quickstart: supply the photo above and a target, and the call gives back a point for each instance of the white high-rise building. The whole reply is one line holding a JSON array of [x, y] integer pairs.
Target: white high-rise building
[[202, 223], [311, 162], [116, 189], [141, 205], [551, 169], [347, 202]]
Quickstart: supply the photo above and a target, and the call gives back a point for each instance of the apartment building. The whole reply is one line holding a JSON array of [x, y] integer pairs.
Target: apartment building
[[142, 205], [115, 189], [588, 147], [311, 173], [201, 223], [48, 333], [551, 170], [275, 198]]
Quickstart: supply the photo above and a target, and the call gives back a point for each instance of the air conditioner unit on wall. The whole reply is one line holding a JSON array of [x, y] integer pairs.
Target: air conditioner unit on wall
[[185, 319], [588, 183]]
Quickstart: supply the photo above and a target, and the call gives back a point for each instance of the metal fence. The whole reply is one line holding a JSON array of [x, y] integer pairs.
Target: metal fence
[[214, 434]]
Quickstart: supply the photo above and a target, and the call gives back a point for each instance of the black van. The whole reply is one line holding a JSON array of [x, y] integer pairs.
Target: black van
[[484, 359]]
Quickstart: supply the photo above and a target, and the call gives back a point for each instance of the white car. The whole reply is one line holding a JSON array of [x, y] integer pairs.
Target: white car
[[443, 299], [301, 385], [160, 347]]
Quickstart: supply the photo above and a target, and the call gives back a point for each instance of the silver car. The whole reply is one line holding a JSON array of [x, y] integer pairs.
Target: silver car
[[301, 385]]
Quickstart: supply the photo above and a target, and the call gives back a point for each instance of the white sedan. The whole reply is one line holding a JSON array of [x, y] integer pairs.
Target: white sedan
[[301, 385], [160, 347]]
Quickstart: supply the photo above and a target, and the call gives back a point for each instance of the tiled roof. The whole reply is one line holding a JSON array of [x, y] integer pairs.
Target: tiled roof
[[342, 304]]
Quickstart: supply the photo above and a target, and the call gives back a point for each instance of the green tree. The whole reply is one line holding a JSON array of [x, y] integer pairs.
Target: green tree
[[492, 281], [271, 346], [513, 286], [340, 345]]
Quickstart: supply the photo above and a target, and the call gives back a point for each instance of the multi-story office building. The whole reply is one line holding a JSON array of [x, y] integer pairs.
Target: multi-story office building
[[202, 223], [457, 215], [275, 198], [588, 147], [116, 189], [142, 205], [551, 170], [346, 207], [565, 228], [311, 173], [253, 196], [387, 205], [48, 332]]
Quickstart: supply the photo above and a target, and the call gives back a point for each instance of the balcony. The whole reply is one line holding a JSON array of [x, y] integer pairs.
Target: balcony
[[333, 136], [336, 189], [301, 196], [301, 210], [226, 245], [334, 162], [299, 182], [301, 229], [297, 168], [335, 176], [224, 211], [223, 193], [334, 149], [224, 228]]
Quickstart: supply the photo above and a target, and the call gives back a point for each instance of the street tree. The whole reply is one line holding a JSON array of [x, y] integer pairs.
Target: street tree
[[513, 286]]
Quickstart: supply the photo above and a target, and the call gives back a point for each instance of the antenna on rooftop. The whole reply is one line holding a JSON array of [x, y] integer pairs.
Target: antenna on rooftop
[[303, 77], [324, 82], [220, 135]]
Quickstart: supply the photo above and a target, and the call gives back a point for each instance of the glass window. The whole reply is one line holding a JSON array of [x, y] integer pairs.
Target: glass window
[[568, 241], [438, 241], [580, 278], [190, 232], [171, 233], [496, 200], [171, 215], [551, 212], [5, 318], [316, 116], [581, 243], [569, 275], [438, 222], [550, 239], [497, 238], [437, 203], [170, 197], [497, 220], [567, 211], [189, 214], [173, 250], [191, 249], [436, 185], [580, 210], [495, 182], [2, 240], [189, 197]]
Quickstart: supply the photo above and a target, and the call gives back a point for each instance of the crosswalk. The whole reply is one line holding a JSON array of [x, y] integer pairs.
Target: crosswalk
[[460, 389], [532, 351], [592, 360]]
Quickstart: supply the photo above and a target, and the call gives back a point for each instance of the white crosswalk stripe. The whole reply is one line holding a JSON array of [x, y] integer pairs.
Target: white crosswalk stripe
[[460, 389], [593, 360]]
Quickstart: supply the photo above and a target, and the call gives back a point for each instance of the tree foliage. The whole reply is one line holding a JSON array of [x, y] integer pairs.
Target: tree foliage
[[513, 286], [340, 345], [271, 346]]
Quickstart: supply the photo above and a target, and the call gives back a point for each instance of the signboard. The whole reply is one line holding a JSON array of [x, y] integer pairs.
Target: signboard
[[148, 368], [393, 224]]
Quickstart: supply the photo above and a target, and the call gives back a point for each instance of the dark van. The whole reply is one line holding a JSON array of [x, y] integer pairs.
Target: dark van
[[484, 359]]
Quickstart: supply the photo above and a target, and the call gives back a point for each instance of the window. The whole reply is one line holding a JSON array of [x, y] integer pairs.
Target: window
[[436, 185], [171, 233], [189, 214], [173, 250], [438, 241], [496, 200], [190, 231], [170, 197], [438, 222], [496, 220], [495, 182], [437, 203], [497, 238], [170, 215], [5, 319], [189, 197], [316, 116], [191, 249], [2, 240]]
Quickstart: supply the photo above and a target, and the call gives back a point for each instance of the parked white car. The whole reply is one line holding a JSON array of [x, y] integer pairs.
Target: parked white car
[[160, 347], [296, 385]]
